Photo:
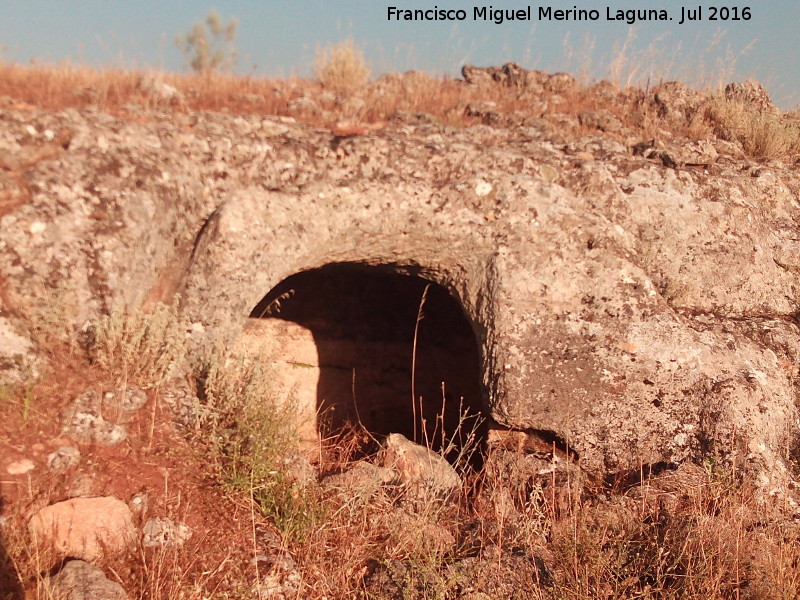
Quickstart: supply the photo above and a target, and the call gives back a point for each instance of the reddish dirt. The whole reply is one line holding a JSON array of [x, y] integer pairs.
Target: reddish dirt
[[155, 459]]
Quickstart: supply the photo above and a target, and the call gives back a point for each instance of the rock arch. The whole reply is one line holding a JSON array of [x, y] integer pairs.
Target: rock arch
[[359, 342], [575, 340]]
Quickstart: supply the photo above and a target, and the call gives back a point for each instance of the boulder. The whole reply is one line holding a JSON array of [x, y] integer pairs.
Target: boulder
[[85, 528], [421, 471], [79, 580]]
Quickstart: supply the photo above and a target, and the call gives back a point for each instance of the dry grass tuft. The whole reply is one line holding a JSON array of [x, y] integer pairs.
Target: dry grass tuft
[[763, 134], [341, 67]]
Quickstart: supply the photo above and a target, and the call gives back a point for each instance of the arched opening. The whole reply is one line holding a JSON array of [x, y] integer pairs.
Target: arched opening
[[383, 338]]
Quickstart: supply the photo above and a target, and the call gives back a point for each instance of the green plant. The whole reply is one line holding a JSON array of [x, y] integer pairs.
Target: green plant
[[252, 436], [140, 347], [210, 44], [341, 67]]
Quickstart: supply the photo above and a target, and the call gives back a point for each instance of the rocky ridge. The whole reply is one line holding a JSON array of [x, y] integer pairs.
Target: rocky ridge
[[635, 298]]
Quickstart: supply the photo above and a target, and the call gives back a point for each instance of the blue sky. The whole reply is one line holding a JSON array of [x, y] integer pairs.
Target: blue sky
[[280, 37]]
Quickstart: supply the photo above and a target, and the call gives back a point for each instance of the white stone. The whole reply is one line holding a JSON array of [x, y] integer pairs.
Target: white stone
[[20, 467]]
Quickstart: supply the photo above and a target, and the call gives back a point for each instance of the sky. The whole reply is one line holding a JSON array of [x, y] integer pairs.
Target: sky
[[282, 37]]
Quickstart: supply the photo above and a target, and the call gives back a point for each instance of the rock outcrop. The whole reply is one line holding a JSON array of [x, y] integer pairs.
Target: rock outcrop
[[636, 310]]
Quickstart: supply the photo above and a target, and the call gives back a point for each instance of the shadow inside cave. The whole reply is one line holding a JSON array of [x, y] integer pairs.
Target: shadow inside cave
[[384, 337]]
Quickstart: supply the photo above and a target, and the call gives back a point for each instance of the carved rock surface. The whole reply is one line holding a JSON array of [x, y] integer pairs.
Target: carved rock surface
[[639, 313]]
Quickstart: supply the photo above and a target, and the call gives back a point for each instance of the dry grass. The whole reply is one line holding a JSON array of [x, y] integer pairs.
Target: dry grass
[[692, 533], [358, 102], [341, 67], [763, 134]]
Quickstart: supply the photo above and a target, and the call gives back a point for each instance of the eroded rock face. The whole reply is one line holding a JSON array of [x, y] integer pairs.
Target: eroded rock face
[[638, 311]]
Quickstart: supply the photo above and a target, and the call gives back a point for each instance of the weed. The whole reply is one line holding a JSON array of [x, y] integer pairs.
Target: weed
[[139, 347], [252, 436]]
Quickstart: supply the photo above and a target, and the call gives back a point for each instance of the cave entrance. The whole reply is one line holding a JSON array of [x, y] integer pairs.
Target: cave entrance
[[382, 337]]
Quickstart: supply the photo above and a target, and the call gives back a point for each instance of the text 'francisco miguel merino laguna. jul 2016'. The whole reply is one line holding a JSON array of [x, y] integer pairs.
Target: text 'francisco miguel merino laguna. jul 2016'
[[679, 14]]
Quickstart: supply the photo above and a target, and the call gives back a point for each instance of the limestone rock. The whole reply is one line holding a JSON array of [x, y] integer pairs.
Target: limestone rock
[[362, 479], [85, 528], [477, 75], [483, 109], [159, 90], [18, 360], [676, 101], [20, 467], [165, 532], [181, 400], [602, 120], [279, 578], [79, 580], [645, 313], [752, 93], [420, 470], [509, 75], [139, 503], [304, 104], [84, 422], [101, 419], [559, 83], [678, 153], [82, 486], [404, 529], [290, 351], [298, 469], [605, 91], [125, 400], [63, 459]]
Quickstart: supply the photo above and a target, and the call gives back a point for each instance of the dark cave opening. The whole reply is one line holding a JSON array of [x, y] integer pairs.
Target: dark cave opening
[[384, 337]]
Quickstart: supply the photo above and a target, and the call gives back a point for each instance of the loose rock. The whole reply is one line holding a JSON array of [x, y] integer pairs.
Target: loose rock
[[85, 528], [84, 422], [421, 471], [63, 459], [165, 533], [20, 467], [79, 580], [18, 360]]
